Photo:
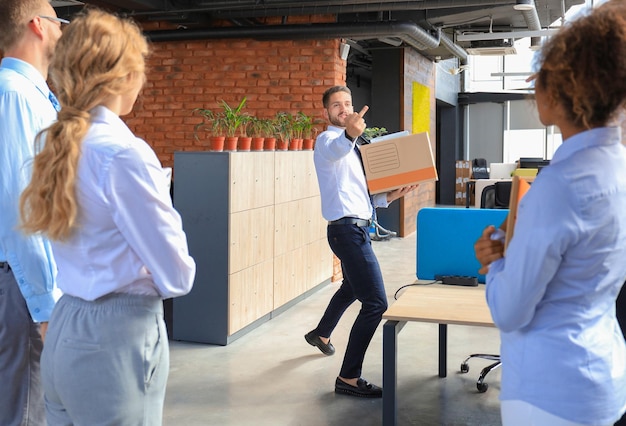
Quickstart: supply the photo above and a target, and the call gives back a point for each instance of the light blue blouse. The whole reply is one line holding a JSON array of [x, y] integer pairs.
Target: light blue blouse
[[553, 295]]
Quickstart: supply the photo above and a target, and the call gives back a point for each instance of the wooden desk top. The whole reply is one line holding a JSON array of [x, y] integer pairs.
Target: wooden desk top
[[442, 304]]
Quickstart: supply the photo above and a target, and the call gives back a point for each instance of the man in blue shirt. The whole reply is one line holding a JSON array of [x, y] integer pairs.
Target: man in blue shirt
[[30, 30]]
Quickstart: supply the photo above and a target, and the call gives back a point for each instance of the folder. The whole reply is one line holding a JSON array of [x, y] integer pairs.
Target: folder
[[519, 188]]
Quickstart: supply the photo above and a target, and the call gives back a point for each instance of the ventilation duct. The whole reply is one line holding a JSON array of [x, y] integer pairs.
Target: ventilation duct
[[409, 32], [453, 48]]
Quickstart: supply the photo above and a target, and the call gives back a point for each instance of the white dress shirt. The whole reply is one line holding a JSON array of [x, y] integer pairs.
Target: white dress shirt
[[341, 179], [129, 238]]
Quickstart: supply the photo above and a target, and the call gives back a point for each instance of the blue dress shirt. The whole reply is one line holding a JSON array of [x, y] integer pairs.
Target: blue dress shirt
[[553, 295], [25, 109]]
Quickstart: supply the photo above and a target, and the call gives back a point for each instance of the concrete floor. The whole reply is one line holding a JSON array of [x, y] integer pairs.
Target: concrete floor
[[272, 377]]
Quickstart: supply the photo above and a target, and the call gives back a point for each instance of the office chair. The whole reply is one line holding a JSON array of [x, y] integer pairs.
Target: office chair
[[480, 383], [496, 196], [479, 169]]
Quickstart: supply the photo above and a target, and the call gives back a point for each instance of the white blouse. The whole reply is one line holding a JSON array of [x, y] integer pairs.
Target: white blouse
[[129, 238]]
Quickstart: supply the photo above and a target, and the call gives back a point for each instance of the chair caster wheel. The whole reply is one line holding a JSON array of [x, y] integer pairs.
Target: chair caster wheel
[[464, 367], [482, 387]]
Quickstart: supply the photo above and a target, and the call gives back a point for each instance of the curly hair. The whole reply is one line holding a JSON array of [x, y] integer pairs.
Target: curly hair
[[98, 56], [583, 67]]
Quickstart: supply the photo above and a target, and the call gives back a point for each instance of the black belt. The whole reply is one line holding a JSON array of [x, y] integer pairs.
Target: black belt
[[350, 221]]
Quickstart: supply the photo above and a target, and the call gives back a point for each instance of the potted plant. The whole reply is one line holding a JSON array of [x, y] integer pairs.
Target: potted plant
[[283, 122], [234, 121], [258, 128], [244, 142], [305, 129], [309, 138], [373, 132], [300, 122], [270, 134], [245, 139], [213, 123]]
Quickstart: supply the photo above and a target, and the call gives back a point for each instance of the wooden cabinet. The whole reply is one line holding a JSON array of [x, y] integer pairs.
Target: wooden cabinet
[[255, 229]]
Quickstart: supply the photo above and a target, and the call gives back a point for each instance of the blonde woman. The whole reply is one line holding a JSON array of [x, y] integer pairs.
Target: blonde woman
[[99, 193]]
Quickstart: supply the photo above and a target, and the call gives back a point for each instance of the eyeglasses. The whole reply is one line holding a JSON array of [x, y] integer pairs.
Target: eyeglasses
[[61, 21]]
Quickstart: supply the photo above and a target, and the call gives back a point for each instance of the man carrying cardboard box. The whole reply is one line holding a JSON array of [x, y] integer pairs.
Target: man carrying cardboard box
[[347, 206]]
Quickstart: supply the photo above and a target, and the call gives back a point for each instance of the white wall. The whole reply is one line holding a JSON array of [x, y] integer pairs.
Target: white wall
[[504, 132]]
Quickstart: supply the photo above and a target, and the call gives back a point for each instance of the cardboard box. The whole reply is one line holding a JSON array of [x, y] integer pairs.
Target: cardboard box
[[463, 173], [397, 162]]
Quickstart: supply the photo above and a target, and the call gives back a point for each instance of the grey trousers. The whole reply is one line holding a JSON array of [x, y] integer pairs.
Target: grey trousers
[[21, 394], [106, 362]]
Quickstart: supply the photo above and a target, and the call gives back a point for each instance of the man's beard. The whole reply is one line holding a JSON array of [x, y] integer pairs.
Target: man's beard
[[335, 122]]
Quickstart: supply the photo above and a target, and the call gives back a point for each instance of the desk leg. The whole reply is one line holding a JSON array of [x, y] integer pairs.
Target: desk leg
[[390, 378], [443, 350]]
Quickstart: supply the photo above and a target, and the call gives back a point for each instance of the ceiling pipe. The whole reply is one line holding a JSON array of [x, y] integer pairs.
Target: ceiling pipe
[[454, 48], [532, 21], [409, 32]]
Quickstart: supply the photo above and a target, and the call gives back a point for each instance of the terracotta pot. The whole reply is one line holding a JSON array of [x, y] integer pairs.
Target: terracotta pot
[[282, 145], [269, 144], [296, 144], [230, 143], [244, 143], [217, 143], [307, 144], [257, 144]]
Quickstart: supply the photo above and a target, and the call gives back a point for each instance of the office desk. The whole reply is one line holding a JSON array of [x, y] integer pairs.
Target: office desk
[[441, 304]]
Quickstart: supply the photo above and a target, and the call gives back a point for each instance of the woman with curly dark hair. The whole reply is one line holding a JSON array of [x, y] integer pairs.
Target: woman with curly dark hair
[[553, 295]]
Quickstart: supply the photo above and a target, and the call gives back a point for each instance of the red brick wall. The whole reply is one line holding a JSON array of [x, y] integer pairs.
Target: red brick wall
[[273, 76]]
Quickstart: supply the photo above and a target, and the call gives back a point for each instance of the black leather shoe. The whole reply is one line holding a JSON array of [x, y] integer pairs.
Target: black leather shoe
[[362, 389], [314, 340]]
